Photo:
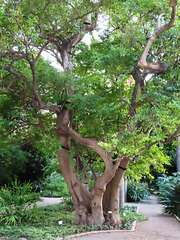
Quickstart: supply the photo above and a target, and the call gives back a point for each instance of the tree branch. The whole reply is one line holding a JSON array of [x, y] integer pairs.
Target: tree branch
[[44, 9], [158, 67], [37, 116], [39, 53], [24, 125], [72, 20], [86, 142], [19, 25], [134, 103], [9, 85], [53, 108], [170, 139]]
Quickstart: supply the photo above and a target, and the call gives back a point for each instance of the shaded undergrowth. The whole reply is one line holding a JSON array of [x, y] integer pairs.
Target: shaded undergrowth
[[56, 221]]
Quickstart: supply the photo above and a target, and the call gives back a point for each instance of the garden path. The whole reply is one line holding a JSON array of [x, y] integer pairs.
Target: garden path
[[48, 201], [158, 226]]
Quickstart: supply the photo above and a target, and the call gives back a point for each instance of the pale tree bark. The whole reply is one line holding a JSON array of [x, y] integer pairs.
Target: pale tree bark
[[111, 196], [158, 68], [88, 206]]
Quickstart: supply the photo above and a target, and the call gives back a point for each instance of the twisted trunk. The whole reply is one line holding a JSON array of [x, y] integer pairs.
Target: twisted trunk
[[88, 205], [111, 196]]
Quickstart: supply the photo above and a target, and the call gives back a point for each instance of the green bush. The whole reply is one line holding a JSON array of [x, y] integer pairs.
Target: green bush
[[128, 215], [15, 202], [12, 162], [49, 193], [137, 191], [55, 185], [169, 197]]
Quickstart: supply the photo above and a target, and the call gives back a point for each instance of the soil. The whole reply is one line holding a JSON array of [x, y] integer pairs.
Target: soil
[[159, 226]]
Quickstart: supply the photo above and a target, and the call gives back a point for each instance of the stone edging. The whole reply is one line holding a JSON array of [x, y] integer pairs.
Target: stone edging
[[101, 231], [95, 232], [89, 233], [177, 217]]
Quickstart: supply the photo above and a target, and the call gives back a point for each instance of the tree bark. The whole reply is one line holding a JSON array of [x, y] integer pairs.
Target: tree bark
[[111, 196], [158, 68], [121, 194]]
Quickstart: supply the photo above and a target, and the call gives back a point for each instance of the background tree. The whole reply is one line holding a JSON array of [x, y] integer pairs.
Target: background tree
[[132, 117]]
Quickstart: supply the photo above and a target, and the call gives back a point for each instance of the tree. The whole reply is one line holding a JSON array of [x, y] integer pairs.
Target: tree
[[112, 90]]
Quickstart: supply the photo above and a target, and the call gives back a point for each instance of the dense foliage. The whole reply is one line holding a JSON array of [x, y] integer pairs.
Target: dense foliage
[[169, 196], [54, 186], [12, 163], [15, 202], [137, 191], [25, 163]]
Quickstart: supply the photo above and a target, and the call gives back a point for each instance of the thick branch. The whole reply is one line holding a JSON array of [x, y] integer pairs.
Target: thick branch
[[86, 28], [86, 142], [72, 20], [162, 67], [134, 103], [65, 48]]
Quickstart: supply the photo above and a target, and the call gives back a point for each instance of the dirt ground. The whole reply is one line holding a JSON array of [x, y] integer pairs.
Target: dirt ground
[[158, 226]]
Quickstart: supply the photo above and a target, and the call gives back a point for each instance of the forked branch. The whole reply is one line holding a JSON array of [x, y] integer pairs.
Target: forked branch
[[158, 68]]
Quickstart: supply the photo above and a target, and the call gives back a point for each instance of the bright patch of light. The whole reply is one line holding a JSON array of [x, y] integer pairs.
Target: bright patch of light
[[102, 25], [52, 60]]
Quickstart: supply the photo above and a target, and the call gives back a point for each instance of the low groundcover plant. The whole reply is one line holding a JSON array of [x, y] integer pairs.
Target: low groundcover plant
[[15, 202]]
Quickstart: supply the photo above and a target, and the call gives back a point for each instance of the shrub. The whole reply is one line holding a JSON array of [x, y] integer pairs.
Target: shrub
[[169, 197], [26, 163], [55, 185], [128, 215], [10, 167], [15, 202], [137, 191]]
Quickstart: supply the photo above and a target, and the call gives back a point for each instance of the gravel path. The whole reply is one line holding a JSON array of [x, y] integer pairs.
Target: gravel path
[[158, 226]]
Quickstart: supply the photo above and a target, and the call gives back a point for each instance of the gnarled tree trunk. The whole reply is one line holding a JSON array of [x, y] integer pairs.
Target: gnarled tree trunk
[[111, 196]]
